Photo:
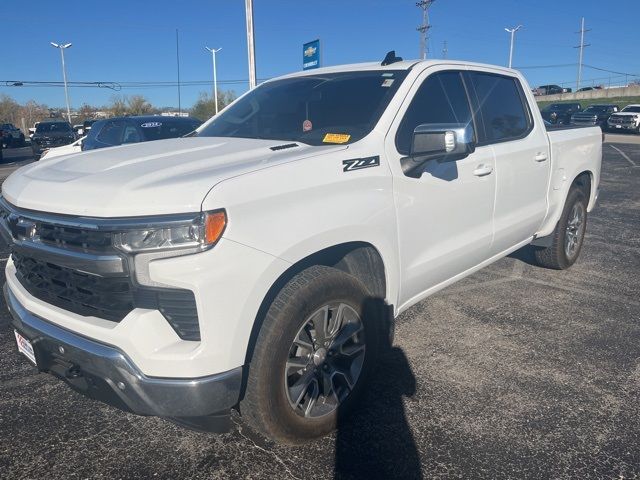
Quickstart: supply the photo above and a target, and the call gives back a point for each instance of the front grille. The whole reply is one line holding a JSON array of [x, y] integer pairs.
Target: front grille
[[90, 241], [110, 298], [620, 120]]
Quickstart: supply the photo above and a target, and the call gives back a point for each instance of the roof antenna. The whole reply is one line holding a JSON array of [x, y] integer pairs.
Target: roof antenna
[[391, 58]]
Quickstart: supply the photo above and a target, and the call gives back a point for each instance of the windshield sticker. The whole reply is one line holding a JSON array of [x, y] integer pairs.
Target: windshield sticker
[[151, 124], [387, 74], [388, 82], [307, 126], [336, 138]]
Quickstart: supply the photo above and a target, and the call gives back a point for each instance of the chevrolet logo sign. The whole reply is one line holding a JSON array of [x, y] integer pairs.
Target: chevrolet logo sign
[[310, 51]]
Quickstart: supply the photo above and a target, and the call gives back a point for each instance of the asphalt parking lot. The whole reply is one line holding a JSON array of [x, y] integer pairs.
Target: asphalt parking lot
[[515, 372]]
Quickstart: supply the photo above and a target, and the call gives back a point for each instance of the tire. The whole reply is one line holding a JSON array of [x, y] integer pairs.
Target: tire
[[275, 403], [568, 236]]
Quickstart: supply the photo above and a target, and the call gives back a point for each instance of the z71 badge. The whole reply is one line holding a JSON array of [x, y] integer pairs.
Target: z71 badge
[[358, 163]]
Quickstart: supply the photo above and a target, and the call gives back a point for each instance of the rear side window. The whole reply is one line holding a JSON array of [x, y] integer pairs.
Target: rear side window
[[162, 129], [502, 108], [440, 99], [111, 133]]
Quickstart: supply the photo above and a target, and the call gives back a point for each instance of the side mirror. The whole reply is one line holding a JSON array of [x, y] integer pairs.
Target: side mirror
[[446, 142]]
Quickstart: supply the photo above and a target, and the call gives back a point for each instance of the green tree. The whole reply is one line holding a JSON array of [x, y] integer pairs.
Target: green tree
[[205, 107]]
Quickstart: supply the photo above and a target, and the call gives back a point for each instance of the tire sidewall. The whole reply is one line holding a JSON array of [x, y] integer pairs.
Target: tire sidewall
[[575, 196], [332, 287]]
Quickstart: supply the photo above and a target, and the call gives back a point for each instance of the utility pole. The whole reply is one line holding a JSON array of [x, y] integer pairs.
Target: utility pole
[[580, 56], [178, 64], [424, 28], [445, 50], [512, 31], [62, 47], [215, 78], [250, 43]]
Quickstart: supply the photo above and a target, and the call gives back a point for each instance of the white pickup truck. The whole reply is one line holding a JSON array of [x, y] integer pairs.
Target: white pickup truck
[[258, 264]]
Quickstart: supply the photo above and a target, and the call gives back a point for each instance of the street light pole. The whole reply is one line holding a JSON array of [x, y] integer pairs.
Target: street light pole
[[215, 77], [62, 48], [251, 48], [512, 31]]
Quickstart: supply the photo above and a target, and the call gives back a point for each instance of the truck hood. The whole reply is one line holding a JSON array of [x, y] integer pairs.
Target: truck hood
[[626, 114], [150, 178]]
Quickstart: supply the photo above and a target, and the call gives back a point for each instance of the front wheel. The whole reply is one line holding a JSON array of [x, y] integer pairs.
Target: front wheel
[[568, 236], [314, 351]]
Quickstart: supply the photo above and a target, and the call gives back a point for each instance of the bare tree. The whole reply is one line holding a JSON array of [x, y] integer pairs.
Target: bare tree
[[118, 106], [205, 107], [138, 105]]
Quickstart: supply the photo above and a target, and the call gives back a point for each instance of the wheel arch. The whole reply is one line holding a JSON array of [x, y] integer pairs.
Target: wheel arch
[[357, 258], [584, 180]]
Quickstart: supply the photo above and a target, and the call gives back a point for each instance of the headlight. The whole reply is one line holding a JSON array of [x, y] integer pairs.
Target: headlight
[[197, 234]]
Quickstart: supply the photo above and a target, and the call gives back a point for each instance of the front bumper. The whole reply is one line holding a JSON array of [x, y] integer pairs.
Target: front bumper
[[105, 373], [621, 126]]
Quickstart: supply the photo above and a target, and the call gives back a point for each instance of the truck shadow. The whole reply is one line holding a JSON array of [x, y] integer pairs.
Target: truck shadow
[[375, 441]]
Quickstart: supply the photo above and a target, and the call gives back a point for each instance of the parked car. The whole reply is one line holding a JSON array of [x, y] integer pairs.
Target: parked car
[[119, 130], [588, 89], [11, 135], [32, 130], [551, 90], [51, 133], [86, 126], [625, 120], [75, 147], [259, 263], [560, 113], [594, 115]]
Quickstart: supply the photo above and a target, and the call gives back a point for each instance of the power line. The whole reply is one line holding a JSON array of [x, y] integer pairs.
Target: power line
[[611, 71], [424, 28], [581, 47]]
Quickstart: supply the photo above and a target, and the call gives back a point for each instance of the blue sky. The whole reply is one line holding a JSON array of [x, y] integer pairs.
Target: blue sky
[[134, 41]]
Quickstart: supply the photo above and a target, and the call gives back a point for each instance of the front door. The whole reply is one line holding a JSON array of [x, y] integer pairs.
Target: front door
[[445, 215]]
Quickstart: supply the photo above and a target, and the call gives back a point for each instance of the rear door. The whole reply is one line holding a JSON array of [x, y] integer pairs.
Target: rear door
[[521, 152]]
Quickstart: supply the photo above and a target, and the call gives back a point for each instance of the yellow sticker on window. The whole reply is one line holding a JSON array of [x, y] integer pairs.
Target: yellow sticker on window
[[336, 138]]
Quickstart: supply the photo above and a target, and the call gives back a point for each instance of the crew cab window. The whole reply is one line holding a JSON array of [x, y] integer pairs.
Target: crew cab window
[[440, 99], [131, 134], [502, 107], [111, 133], [163, 129]]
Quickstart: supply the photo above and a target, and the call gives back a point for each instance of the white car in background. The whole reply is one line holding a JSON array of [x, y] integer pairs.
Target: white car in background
[[75, 147], [626, 119]]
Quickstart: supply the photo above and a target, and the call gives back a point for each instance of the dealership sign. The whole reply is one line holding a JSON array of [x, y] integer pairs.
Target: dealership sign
[[311, 55]]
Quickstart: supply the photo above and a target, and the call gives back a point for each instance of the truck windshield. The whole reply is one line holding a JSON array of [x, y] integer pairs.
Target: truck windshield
[[561, 107], [48, 127], [635, 109], [596, 109], [314, 109]]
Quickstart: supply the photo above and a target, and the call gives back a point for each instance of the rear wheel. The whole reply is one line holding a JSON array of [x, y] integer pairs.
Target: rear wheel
[[568, 236], [315, 348]]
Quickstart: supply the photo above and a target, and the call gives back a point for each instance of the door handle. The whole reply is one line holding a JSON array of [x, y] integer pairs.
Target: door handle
[[540, 157], [482, 170]]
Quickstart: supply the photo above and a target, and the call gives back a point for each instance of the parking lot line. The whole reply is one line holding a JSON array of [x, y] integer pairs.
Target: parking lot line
[[624, 155]]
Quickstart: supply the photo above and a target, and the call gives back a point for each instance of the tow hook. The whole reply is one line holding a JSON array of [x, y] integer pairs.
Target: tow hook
[[73, 372]]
